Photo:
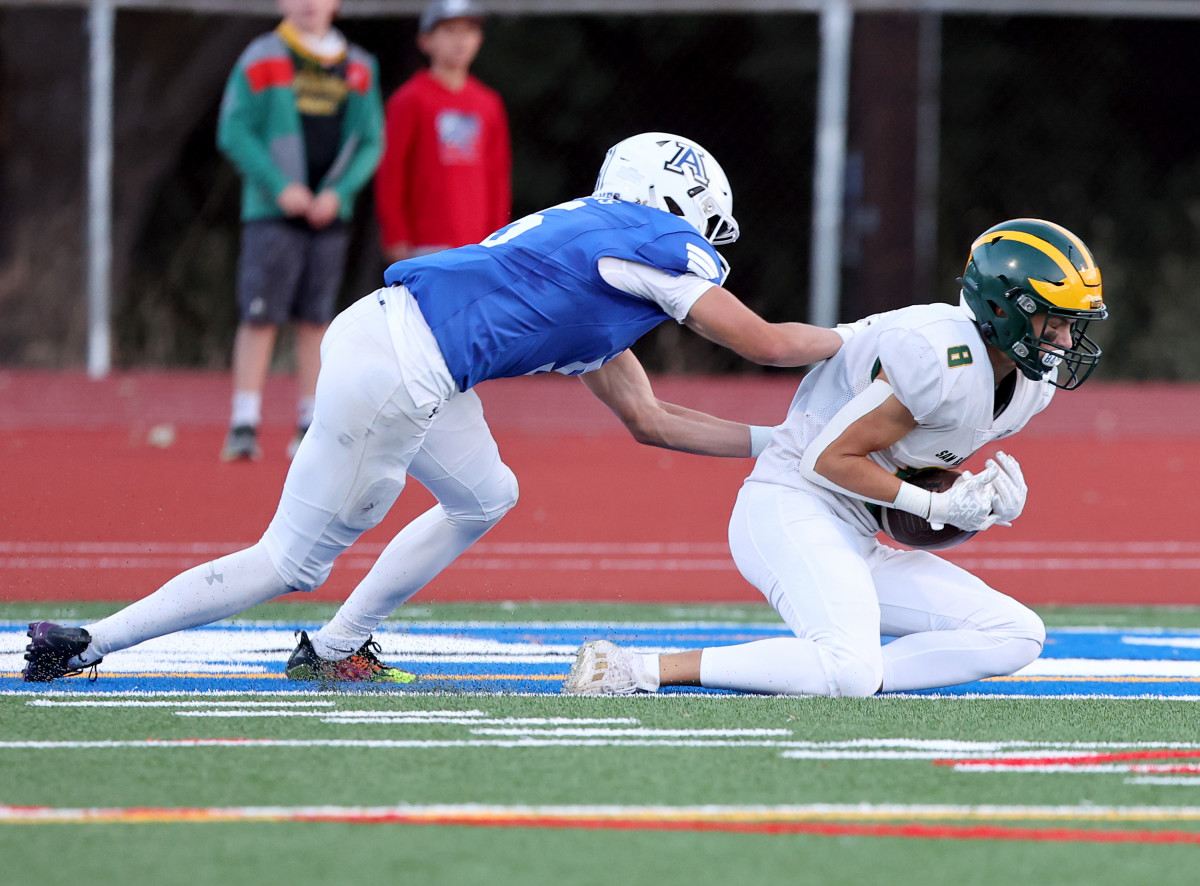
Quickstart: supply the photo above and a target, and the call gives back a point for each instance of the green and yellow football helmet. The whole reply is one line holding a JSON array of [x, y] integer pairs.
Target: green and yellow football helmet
[[1021, 268]]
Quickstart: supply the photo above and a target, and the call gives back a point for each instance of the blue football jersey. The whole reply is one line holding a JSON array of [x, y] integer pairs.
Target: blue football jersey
[[530, 297]]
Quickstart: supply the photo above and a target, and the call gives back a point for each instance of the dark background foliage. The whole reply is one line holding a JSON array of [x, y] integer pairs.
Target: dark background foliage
[[1085, 121]]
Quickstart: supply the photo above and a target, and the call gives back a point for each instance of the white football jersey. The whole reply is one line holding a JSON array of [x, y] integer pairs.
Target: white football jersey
[[938, 367]]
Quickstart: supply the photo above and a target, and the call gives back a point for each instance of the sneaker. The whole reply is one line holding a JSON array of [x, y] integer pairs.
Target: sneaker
[[51, 647], [361, 667], [241, 444], [603, 668], [294, 443]]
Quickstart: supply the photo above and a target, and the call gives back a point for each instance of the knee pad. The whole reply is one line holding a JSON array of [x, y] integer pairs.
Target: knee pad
[[306, 575], [372, 505], [301, 565]]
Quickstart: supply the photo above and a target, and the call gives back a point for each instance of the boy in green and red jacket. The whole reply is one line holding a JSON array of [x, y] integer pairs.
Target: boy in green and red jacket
[[302, 120]]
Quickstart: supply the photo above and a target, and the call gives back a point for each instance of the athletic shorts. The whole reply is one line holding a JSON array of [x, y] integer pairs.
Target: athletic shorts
[[287, 271]]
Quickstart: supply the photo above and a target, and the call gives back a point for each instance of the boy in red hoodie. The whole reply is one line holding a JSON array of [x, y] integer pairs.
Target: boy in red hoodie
[[445, 176]]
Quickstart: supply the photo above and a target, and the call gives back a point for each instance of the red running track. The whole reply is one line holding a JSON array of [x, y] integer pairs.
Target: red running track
[[93, 510]]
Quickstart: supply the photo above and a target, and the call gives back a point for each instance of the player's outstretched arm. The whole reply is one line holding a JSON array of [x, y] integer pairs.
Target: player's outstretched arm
[[623, 386], [720, 317]]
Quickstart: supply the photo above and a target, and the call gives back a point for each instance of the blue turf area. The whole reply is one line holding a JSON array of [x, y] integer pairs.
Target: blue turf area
[[534, 657]]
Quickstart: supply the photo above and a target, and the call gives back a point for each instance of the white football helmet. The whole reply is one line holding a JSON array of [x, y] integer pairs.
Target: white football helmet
[[673, 174]]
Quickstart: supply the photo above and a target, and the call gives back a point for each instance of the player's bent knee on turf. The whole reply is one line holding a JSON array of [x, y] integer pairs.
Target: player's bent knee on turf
[[852, 675], [1029, 638], [1020, 623]]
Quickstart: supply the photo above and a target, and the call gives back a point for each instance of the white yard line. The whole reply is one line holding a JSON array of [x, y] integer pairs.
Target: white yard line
[[480, 813]]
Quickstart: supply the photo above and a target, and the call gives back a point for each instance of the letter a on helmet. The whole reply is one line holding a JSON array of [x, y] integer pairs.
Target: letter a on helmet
[[673, 174]]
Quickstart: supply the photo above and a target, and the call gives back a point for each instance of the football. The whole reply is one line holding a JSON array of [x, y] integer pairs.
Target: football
[[915, 532]]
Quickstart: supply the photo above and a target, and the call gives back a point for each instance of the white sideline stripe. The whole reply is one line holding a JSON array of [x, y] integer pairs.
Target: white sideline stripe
[[902, 749], [1175, 780], [1176, 642], [644, 732], [955, 746], [658, 698], [920, 749], [382, 744], [864, 755], [397, 715], [350, 719], [181, 693], [1108, 667], [417, 717], [132, 703], [1016, 696], [453, 718], [481, 812]]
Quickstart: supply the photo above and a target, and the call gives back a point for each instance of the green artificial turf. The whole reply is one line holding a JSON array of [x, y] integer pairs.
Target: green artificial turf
[[213, 853]]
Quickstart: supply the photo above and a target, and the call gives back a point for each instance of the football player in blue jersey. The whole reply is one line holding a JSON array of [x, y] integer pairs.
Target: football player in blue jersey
[[567, 290]]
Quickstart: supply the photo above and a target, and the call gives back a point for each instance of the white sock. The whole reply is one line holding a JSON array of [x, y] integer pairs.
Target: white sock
[[199, 596], [646, 671], [333, 643], [247, 409], [419, 552]]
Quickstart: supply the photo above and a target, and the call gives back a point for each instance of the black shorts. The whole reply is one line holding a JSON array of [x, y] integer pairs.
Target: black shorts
[[287, 271]]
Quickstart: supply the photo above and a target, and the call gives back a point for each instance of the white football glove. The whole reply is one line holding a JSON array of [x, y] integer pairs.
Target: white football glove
[[968, 503], [1009, 489]]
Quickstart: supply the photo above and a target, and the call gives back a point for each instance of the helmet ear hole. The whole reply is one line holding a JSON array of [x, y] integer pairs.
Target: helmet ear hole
[[673, 207]]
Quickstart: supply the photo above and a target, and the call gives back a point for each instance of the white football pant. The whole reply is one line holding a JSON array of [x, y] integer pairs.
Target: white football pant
[[367, 435], [839, 591]]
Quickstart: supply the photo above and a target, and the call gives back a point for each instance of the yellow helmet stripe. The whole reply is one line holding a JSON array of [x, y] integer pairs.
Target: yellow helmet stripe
[[1075, 241], [1081, 280]]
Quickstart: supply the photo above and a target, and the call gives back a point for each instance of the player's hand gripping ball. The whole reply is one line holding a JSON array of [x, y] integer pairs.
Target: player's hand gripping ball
[[916, 532]]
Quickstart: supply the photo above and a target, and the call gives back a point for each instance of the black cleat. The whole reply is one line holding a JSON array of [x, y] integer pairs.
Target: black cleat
[[361, 667], [51, 647]]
